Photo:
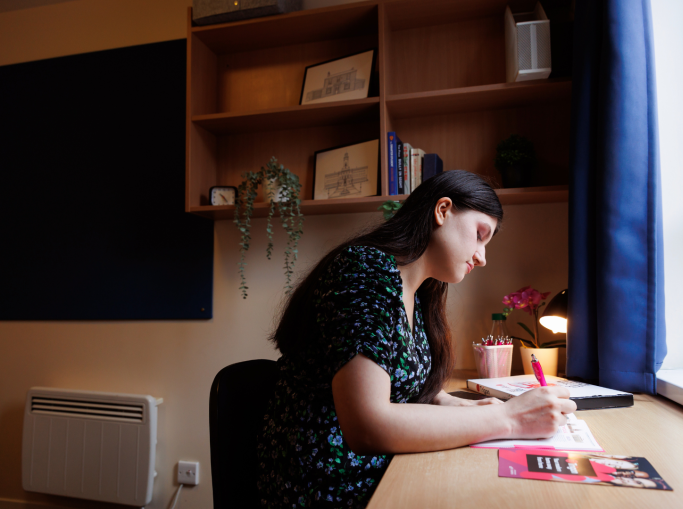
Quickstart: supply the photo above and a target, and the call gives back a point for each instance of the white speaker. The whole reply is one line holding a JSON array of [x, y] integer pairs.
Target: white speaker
[[527, 45]]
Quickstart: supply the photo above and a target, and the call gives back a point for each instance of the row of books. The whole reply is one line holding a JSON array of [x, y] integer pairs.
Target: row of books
[[408, 166]]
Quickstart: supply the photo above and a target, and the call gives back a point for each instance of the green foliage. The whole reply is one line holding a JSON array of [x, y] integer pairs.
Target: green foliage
[[389, 208], [525, 342], [528, 330], [288, 208], [532, 343], [515, 150]]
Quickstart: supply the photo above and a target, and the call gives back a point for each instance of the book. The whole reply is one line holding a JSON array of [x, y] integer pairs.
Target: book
[[407, 168], [586, 396], [431, 165], [400, 180], [575, 467], [417, 155], [573, 436], [393, 188]]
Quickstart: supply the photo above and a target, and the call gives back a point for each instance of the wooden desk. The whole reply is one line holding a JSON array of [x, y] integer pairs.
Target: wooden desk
[[468, 478]]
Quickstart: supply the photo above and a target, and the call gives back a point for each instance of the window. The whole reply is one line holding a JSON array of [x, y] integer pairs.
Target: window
[[668, 42]]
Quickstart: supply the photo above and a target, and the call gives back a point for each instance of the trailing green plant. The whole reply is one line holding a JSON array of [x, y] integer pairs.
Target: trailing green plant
[[513, 151], [288, 206], [389, 208]]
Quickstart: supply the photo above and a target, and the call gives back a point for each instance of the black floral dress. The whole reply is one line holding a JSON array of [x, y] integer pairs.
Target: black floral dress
[[304, 459]]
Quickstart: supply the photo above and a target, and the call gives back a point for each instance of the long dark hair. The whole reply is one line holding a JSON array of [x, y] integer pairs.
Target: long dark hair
[[405, 236]]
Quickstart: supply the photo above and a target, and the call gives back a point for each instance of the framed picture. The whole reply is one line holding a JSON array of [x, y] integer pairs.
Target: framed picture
[[349, 171], [342, 79]]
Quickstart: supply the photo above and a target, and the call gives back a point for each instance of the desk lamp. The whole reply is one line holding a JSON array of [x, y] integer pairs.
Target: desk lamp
[[555, 315]]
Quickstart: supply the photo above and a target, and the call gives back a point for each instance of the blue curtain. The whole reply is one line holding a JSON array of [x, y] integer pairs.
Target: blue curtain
[[616, 334]]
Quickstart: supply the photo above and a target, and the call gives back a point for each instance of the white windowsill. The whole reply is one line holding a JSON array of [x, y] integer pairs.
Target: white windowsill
[[670, 384]]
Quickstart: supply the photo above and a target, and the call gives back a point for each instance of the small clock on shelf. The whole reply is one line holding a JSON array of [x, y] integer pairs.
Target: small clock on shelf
[[222, 195]]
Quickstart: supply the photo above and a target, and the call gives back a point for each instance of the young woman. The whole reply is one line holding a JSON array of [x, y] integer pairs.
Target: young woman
[[366, 350]]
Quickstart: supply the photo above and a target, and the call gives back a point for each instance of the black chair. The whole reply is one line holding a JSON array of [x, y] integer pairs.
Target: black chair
[[238, 401]]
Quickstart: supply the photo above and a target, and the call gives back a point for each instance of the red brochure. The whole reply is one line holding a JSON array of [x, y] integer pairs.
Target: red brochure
[[579, 467]]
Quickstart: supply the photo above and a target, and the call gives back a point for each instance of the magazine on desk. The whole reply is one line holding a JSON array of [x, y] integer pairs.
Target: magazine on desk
[[573, 436], [575, 467], [585, 396]]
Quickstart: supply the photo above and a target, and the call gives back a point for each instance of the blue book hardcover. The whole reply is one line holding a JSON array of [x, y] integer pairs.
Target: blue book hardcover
[[432, 165], [399, 167], [393, 161]]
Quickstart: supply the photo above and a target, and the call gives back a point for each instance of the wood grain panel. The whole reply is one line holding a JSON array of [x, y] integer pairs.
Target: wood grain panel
[[272, 78], [294, 148], [204, 79], [468, 140], [468, 478], [308, 26], [462, 54], [203, 159]]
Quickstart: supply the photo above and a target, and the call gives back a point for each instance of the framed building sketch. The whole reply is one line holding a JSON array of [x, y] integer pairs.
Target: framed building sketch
[[342, 79], [350, 171]]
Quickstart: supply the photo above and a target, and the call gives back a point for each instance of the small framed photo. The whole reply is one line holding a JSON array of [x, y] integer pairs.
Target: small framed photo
[[342, 79], [350, 171]]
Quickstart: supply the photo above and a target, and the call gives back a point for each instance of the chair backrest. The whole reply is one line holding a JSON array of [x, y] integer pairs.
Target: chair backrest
[[237, 403]]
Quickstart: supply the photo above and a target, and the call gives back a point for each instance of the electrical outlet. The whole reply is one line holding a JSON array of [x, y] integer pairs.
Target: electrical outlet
[[188, 472]]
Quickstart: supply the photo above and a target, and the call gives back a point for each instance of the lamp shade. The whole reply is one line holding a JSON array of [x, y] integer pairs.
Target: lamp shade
[[555, 315]]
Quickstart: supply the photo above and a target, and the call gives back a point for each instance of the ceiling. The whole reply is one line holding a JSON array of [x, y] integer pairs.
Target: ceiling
[[15, 5]]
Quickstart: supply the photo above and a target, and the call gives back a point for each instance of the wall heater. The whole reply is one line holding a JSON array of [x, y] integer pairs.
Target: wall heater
[[92, 445]]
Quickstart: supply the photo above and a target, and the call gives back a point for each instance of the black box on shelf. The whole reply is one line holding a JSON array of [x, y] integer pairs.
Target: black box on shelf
[[209, 12]]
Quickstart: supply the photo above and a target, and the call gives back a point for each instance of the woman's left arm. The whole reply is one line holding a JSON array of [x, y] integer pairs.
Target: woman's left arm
[[445, 399]]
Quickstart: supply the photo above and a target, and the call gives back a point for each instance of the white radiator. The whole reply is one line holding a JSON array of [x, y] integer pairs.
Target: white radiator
[[92, 445]]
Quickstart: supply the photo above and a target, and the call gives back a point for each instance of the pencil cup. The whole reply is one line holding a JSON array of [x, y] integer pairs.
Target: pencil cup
[[493, 361]]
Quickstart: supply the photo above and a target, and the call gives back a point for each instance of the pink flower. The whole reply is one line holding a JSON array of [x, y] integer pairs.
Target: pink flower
[[525, 298]]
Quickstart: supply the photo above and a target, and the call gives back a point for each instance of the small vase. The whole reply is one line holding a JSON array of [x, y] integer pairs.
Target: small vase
[[546, 356], [518, 175], [276, 187]]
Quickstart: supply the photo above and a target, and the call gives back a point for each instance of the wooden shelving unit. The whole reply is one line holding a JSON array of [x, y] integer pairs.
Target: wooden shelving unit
[[441, 72]]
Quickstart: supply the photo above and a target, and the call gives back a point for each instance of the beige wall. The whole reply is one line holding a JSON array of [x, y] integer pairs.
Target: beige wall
[[177, 360]]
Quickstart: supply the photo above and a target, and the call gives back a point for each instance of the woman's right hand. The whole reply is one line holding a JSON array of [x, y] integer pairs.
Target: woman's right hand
[[539, 413]]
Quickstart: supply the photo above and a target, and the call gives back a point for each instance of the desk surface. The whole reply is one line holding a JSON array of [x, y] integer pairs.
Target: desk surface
[[466, 477]]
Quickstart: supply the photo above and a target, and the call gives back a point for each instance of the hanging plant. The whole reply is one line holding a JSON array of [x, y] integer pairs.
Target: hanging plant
[[389, 208], [276, 179]]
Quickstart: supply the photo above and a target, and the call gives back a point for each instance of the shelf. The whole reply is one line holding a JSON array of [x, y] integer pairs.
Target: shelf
[[244, 83], [529, 195], [308, 207], [486, 97], [294, 117], [337, 22], [519, 196]]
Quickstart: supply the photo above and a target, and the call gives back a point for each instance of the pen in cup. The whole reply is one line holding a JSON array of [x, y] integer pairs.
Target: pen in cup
[[538, 371]]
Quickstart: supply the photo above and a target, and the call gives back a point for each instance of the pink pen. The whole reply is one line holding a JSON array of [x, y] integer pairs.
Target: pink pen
[[538, 371]]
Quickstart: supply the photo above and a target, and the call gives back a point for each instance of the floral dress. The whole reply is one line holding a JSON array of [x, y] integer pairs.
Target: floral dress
[[304, 459]]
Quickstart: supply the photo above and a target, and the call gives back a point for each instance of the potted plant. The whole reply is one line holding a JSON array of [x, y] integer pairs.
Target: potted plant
[[282, 190], [529, 300], [515, 160]]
